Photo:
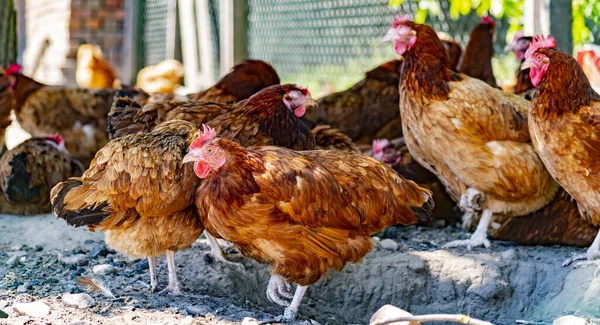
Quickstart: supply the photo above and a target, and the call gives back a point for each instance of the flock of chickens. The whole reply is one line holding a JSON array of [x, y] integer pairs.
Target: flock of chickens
[[302, 184]]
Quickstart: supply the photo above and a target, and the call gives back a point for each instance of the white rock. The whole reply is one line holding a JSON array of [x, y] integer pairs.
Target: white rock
[[389, 244], [509, 254], [249, 321], [32, 309], [104, 269], [570, 320], [389, 312], [79, 300]]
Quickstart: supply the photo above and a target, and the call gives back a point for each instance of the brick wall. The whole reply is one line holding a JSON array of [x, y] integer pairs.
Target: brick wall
[[67, 24]]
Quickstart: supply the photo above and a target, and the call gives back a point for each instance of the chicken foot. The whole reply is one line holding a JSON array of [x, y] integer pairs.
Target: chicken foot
[[173, 287], [218, 253], [153, 273], [591, 256], [479, 237], [278, 288]]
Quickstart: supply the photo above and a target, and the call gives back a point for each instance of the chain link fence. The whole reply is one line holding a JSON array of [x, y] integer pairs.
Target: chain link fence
[[330, 44]]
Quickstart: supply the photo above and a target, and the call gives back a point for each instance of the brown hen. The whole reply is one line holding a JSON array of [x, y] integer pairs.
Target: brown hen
[[138, 191], [472, 136], [30, 170], [476, 62], [302, 212], [363, 110]]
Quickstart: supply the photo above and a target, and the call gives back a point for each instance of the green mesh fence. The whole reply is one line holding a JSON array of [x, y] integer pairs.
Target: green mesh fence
[[330, 44]]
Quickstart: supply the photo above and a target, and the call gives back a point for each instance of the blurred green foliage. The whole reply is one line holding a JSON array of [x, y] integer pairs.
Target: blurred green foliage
[[586, 13]]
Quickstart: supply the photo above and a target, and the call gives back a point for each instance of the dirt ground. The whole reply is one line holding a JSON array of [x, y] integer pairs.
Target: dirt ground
[[41, 259]]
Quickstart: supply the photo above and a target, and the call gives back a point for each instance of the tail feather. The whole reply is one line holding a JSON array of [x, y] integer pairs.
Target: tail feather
[[88, 216], [121, 118]]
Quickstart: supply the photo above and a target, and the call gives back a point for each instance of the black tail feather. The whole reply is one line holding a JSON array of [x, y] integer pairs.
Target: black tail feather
[[17, 183], [88, 216]]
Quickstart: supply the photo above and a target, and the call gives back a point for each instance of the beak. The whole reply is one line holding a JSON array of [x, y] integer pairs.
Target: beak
[[389, 36], [508, 47], [310, 103], [190, 157], [526, 65]]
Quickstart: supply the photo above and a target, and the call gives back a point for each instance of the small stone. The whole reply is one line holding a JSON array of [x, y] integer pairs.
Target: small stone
[[12, 261], [76, 322], [77, 272], [569, 320], [104, 269], [79, 300], [249, 321], [389, 244], [17, 247], [97, 250], [509, 254], [22, 289], [3, 314], [200, 311], [75, 260], [118, 263], [389, 312], [32, 309], [38, 248], [377, 239], [142, 265], [89, 242]]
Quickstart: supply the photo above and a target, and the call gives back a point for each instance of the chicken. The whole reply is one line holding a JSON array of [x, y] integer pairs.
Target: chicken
[[163, 77], [564, 121], [476, 62], [524, 87], [396, 155], [302, 212], [138, 191], [453, 49], [365, 108], [472, 136], [127, 117], [244, 80], [558, 223], [6, 105], [327, 138], [30, 170], [77, 114], [93, 71], [270, 117]]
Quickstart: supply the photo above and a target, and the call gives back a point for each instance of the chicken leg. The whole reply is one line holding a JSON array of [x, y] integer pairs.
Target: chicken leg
[[592, 255], [217, 251], [479, 237], [173, 287], [153, 274], [292, 310]]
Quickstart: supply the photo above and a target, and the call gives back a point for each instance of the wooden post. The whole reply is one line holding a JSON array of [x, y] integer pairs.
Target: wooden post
[[8, 33], [233, 32], [561, 23], [553, 17]]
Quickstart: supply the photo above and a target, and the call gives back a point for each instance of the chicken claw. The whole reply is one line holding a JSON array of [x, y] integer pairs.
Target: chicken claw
[[472, 200], [278, 288], [479, 237]]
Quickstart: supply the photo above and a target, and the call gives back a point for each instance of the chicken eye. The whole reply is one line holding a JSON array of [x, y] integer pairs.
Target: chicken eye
[[209, 150]]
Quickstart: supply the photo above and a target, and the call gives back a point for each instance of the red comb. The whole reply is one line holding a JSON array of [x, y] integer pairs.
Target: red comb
[[380, 144], [399, 19], [486, 19], [304, 90], [204, 136], [538, 42], [56, 138], [12, 69]]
